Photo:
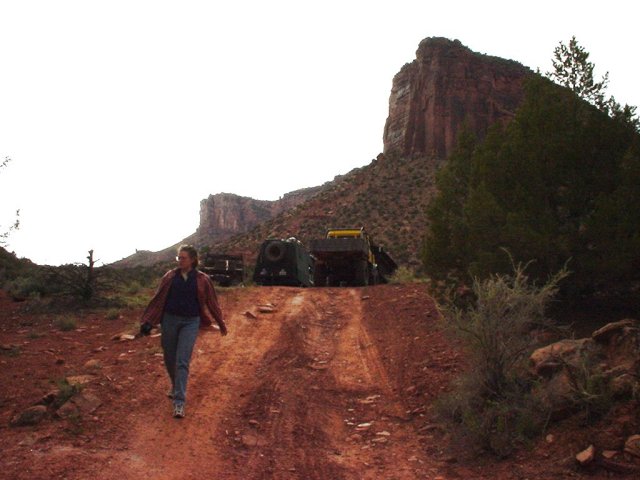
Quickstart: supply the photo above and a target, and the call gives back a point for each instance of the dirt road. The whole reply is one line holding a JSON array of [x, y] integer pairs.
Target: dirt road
[[332, 383], [301, 391], [297, 393]]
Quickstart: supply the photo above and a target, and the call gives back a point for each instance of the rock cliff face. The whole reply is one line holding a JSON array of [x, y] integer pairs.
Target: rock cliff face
[[224, 215], [446, 85]]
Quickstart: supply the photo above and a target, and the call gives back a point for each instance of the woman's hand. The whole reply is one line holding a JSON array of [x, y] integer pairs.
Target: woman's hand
[[145, 328]]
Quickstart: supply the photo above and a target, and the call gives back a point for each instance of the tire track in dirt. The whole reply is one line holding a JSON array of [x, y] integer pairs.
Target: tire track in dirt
[[380, 439], [324, 407], [281, 428]]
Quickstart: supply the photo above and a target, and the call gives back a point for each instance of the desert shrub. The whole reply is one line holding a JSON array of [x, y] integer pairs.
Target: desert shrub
[[497, 425], [112, 288], [65, 392], [65, 323], [126, 293], [112, 314], [492, 403], [591, 392], [65, 284], [139, 300], [12, 267], [133, 288], [94, 285], [23, 287], [21, 278], [133, 279], [403, 274], [76, 281]]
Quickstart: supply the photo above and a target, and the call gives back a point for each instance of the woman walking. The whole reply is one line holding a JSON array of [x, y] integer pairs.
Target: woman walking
[[184, 302]]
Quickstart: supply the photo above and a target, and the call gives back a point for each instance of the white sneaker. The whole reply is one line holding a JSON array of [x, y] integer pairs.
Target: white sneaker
[[178, 411]]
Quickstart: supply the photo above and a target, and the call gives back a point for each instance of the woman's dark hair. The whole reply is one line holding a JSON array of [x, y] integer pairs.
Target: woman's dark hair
[[193, 254]]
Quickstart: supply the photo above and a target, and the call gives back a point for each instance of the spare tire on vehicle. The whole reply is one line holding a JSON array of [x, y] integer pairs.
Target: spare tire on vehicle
[[275, 251]]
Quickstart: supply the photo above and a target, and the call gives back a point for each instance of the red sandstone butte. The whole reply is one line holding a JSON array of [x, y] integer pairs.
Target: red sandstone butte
[[446, 85]]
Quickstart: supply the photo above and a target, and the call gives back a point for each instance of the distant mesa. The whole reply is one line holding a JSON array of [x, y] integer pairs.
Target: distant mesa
[[225, 215]]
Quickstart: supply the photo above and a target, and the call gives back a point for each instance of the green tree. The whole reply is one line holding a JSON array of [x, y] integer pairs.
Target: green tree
[[613, 229], [544, 188], [445, 243], [572, 69]]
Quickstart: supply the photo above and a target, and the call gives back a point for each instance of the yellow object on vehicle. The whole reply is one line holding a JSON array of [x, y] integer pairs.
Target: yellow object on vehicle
[[345, 233]]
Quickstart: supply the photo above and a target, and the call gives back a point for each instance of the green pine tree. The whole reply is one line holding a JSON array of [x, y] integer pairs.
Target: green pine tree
[[545, 188], [445, 244]]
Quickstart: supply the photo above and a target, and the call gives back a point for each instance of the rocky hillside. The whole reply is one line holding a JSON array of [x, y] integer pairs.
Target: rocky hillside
[[445, 86], [388, 197]]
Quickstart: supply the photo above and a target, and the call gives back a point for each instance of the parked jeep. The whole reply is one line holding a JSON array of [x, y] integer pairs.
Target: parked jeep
[[284, 262], [347, 256], [225, 270]]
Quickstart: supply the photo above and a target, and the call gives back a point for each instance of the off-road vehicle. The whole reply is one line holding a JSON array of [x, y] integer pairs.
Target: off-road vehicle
[[346, 256], [284, 262], [225, 270]]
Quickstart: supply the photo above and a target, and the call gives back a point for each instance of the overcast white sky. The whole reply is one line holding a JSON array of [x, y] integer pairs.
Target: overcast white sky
[[120, 116]]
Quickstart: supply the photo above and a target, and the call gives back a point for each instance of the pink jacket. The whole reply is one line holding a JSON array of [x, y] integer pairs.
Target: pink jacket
[[207, 298]]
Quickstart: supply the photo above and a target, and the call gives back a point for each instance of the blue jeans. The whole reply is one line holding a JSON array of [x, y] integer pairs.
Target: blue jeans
[[178, 338]]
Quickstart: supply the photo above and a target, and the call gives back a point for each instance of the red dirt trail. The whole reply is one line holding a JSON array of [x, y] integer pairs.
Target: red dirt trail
[[333, 383]]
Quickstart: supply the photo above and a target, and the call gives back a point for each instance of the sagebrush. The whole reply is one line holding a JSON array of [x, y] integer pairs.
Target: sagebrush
[[492, 402]]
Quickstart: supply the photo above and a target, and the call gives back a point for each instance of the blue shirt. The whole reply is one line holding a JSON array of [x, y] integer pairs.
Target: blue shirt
[[183, 296]]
